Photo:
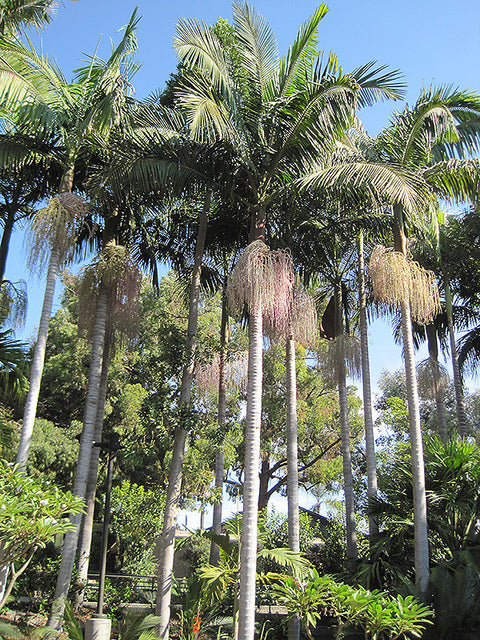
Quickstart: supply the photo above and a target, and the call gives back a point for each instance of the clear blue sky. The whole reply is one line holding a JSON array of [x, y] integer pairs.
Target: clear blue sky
[[429, 41]]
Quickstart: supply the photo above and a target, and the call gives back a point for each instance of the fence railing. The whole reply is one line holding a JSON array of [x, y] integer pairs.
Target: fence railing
[[142, 587]]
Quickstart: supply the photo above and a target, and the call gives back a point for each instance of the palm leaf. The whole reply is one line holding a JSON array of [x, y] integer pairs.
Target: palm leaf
[[296, 63], [377, 84], [257, 48]]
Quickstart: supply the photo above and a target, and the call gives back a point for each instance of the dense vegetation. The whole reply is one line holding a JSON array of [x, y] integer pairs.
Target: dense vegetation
[[285, 226]]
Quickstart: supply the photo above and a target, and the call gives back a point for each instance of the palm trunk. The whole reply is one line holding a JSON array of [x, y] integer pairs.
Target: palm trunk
[[432, 342], [352, 553], [166, 542], [80, 484], [4, 244], [41, 343], [222, 412], [248, 541], [367, 390], [422, 570], [292, 446], [87, 522], [292, 464], [457, 380], [37, 362]]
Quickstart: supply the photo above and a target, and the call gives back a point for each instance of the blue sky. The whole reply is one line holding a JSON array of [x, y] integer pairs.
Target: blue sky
[[429, 41]]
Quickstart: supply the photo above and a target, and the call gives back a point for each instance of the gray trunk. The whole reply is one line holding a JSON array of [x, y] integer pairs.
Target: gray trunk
[[352, 552], [166, 541], [457, 380], [41, 343], [80, 483], [292, 446], [37, 362], [248, 541], [367, 390], [222, 412], [87, 522], [292, 464], [422, 572]]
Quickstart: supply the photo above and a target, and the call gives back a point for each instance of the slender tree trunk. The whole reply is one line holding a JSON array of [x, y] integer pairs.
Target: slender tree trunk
[[432, 342], [367, 390], [422, 569], [166, 541], [222, 412], [41, 343], [37, 362], [80, 484], [292, 464], [248, 541], [4, 244], [87, 521], [457, 380], [352, 553], [292, 446]]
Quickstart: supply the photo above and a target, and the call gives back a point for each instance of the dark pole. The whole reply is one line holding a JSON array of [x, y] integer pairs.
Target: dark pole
[[106, 523]]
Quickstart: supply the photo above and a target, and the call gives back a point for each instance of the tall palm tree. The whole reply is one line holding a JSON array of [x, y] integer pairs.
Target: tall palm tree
[[38, 97], [366, 385], [424, 139], [303, 328], [166, 543], [276, 115], [110, 281]]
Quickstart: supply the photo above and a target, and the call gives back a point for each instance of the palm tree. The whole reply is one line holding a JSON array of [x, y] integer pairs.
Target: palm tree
[[276, 116], [423, 140], [166, 544], [366, 384], [412, 163], [39, 99], [111, 281], [303, 328]]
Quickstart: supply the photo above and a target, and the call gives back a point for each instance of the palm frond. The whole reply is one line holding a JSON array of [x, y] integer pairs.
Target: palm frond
[[257, 50], [297, 62]]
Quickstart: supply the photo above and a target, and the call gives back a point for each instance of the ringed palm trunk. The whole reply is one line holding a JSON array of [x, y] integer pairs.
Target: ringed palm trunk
[[422, 571], [222, 411], [292, 464], [352, 552], [367, 389], [81, 475], [248, 542], [87, 521], [457, 380], [440, 405], [166, 541], [41, 344]]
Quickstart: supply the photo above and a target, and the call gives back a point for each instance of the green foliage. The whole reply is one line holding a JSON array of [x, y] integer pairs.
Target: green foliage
[[31, 514], [377, 614], [54, 451], [38, 583], [136, 515]]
